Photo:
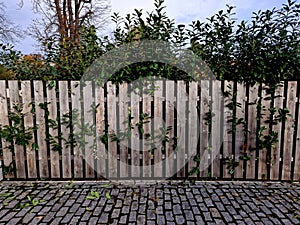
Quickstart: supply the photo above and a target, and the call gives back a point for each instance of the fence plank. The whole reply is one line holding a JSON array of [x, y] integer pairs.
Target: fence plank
[[64, 110], [170, 101], [216, 128], [204, 132], [240, 137], [252, 129], [88, 118], [112, 128], [158, 124], [41, 134], [101, 132], [7, 154], [263, 157], [289, 131], [192, 126], [297, 152], [18, 149], [53, 131], [123, 127], [181, 127], [28, 123], [228, 113], [76, 118], [135, 135], [275, 154], [147, 99]]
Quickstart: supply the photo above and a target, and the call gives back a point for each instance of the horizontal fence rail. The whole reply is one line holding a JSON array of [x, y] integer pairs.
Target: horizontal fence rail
[[149, 130]]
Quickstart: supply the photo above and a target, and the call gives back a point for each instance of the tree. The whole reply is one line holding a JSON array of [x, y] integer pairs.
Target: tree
[[63, 20], [8, 30]]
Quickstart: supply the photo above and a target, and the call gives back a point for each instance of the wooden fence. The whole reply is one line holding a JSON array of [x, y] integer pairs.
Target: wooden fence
[[206, 129]]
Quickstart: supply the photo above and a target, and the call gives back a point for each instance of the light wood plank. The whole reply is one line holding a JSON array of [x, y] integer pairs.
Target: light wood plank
[[227, 141], [204, 128], [53, 131], [158, 124], [262, 159], [289, 131], [147, 99], [135, 137], [216, 128], [7, 154], [100, 121], [240, 135], [170, 106], [181, 127], [275, 154], [88, 118], [18, 149], [28, 123], [64, 109], [77, 122], [41, 132], [123, 126], [112, 128], [193, 126], [252, 130], [297, 153]]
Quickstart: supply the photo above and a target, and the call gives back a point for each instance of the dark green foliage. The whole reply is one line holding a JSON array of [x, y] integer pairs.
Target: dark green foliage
[[265, 49]]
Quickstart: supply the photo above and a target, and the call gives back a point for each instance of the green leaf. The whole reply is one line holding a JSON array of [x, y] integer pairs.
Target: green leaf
[[90, 197], [107, 195]]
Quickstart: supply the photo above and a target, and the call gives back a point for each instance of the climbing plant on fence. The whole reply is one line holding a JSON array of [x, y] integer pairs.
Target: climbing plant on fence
[[53, 133]]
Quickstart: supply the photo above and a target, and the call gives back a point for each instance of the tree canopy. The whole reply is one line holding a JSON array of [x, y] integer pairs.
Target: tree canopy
[[264, 49]]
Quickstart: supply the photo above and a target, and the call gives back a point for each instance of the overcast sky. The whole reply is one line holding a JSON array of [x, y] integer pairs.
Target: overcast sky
[[183, 11]]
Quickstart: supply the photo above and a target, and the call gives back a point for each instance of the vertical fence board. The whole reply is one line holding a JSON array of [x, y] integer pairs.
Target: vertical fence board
[[204, 134], [297, 153], [135, 135], [158, 124], [18, 149], [262, 160], [64, 110], [181, 125], [289, 130], [53, 131], [147, 99], [252, 129], [123, 126], [41, 133], [216, 128], [76, 118], [112, 128], [100, 121], [227, 141], [275, 155], [28, 123], [193, 125], [170, 101], [7, 154], [240, 137], [88, 118]]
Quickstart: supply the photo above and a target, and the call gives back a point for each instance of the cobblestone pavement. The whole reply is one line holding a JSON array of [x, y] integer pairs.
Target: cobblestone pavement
[[160, 203]]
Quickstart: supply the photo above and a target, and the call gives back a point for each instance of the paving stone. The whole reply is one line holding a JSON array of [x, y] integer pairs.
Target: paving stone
[[56, 221], [180, 220], [169, 216], [150, 214], [67, 218], [165, 203], [177, 209], [141, 219]]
